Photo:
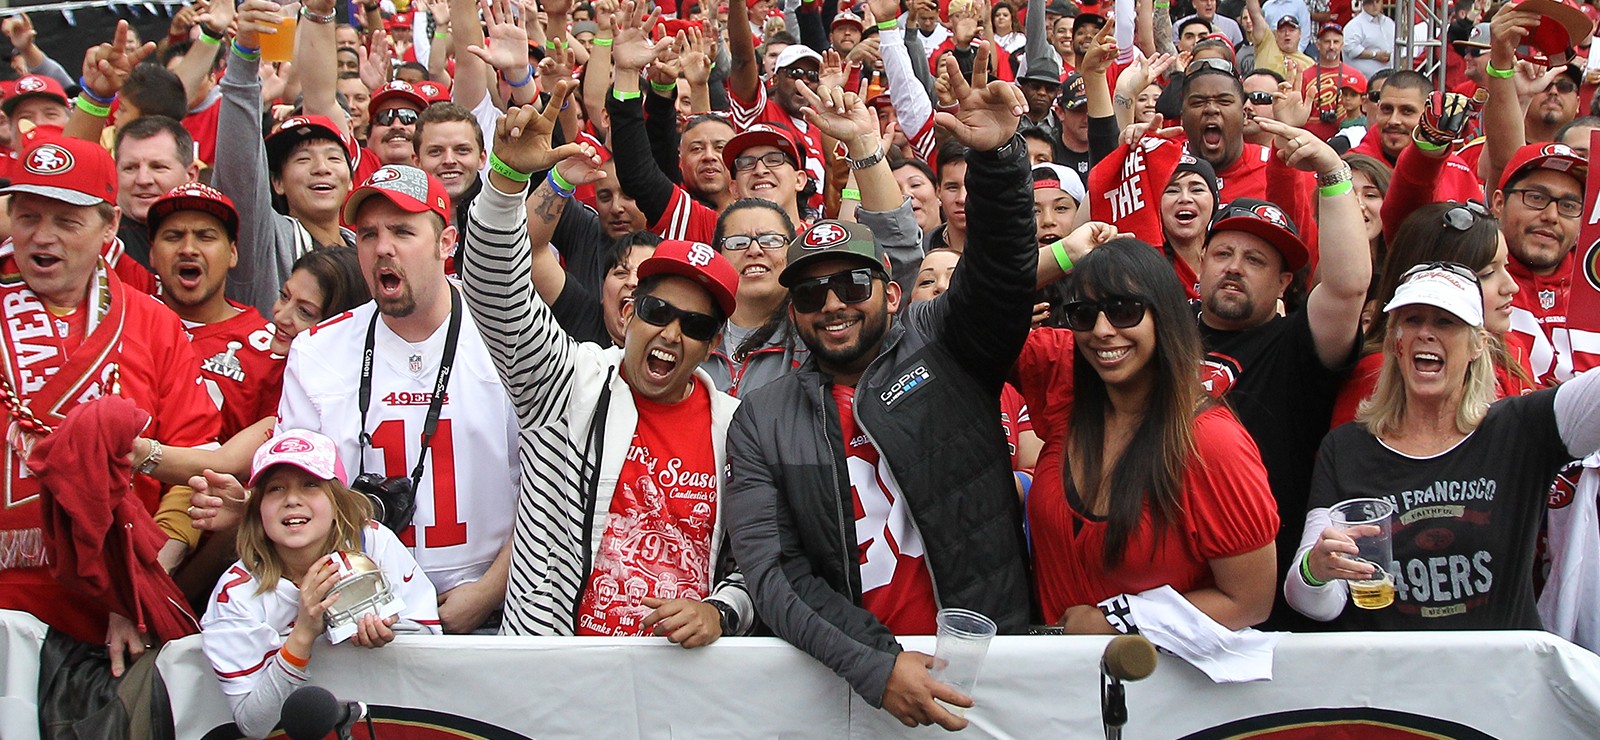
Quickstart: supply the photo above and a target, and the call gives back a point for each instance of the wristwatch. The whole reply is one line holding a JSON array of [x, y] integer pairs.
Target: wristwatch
[[730, 618], [874, 158], [1334, 178]]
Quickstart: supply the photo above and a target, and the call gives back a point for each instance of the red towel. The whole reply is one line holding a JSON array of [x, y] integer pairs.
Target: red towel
[[102, 542]]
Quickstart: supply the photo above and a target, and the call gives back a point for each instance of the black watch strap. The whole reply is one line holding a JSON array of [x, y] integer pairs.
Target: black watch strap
[[730, 618]]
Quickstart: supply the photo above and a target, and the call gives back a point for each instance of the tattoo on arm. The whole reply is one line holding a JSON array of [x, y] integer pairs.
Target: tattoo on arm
[[549, 205]]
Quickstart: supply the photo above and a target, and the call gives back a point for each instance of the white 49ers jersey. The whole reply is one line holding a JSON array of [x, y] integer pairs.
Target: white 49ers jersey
[[466, 500]]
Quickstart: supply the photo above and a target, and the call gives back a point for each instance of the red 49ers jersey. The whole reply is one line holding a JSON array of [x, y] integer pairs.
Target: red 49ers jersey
[[241, 374]]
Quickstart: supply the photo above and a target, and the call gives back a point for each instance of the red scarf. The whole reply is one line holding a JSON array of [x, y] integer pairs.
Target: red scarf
[[40, 381]]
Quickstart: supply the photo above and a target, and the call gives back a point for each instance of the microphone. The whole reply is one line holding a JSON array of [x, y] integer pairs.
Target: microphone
[[1127, 658], [311, 712]]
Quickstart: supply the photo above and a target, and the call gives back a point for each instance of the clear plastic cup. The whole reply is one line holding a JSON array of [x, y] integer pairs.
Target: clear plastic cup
[[1377, 548], [963, 641], [279, 47]]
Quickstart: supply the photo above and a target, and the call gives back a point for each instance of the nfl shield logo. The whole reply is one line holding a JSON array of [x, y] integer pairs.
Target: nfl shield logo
[[1547, 299], [415, 363]]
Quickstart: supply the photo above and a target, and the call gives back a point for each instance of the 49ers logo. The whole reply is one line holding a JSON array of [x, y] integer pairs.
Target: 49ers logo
[[825, 235], [1589, 267], [292, 445], [1565, 487], [384, 175], [30, 84], [290, 123], [1271, 214], [49, 159]]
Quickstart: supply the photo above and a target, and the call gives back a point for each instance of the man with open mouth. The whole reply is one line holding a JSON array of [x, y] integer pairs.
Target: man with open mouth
[[73, 332]]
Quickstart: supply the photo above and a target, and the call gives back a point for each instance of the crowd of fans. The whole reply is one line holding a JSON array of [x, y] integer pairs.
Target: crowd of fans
[[792, 317]]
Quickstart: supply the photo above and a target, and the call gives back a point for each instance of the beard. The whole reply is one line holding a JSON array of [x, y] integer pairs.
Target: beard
[[1229, 308], [872, 329]]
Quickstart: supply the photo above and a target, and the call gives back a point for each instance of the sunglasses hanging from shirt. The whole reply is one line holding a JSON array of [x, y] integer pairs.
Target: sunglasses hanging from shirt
[[394, 498]]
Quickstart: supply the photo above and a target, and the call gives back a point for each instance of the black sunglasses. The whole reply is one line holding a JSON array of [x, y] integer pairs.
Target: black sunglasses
[[1259, 97], [1373, 95], [770, 159], [657, 312], [1564, 85], [1455, 268], [1462, 217], [387, 117], [769, 240], [1123, 313], [798, 73], [852, 286]]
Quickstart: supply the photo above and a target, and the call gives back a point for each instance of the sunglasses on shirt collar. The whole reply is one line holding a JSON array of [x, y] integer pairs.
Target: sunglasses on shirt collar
[[694, 325]]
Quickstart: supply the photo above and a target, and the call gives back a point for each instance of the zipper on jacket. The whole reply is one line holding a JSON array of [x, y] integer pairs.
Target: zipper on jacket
[[927, 557], [838, 497]]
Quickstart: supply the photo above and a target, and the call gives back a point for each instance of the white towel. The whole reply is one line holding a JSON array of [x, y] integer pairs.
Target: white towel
[[1177, 626], [1567, 606]]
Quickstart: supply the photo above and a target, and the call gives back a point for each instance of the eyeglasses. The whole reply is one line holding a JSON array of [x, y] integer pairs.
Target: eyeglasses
[[1201, 65], [1538, 200], [1564, 85], [1462, 217], [1122, 313], [852, 286], [740, 242], [1455, 268], [1259, 97], [657, 312], [798, 73], [387, 117], [770, 159]]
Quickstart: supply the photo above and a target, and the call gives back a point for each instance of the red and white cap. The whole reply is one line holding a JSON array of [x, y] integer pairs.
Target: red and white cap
[[1545, 156], [764, 134], [1354, 82], [399, 90], [1267, 221], [432, 92], [302, 448], [194, 197], [296, 129], [33, 86], [412, 189], [845, 16], [73, 171], [699, 262]]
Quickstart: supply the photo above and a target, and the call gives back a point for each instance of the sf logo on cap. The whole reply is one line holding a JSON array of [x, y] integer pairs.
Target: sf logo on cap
[[30, 84], [700, 254], [1271, 214], [292, 445], [384, 175], [49, 159], [823, 236]]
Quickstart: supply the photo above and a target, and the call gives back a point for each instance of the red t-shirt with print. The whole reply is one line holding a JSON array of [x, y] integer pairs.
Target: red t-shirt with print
[[895, 583], [657, 540]]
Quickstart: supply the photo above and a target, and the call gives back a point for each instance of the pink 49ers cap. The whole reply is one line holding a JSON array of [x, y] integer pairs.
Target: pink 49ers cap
[[302, 448], [698, 262], [412, 189], [73, 171]]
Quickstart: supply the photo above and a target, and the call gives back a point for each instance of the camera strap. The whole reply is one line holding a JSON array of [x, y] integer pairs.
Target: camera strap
[[440, 383]]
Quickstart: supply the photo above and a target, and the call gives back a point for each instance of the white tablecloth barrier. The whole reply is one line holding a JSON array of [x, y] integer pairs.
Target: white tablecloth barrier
[[1505, 685]]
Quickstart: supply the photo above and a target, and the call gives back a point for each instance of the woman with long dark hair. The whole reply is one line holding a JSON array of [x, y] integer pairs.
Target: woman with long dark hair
[[1144, 481]]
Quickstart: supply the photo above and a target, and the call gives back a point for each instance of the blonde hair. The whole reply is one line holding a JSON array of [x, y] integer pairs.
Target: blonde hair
[[1382, 412], [351, 511]]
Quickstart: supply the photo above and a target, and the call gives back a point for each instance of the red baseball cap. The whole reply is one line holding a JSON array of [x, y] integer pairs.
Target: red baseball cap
[[33, 86], [1562, 27], [764, 134], [412, 189], [432, 92], [401, 90], [194, 197], [699, 262], [1353, 81], [296, 129], [1545, 156], [1267, 221], [845, 16], [73, 171]]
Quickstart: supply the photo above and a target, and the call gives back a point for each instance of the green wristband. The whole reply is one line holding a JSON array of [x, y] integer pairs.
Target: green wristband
[[888, 25], [1428, 146], [850, 194], [1305, 573], [597, 41], [663, 89], [506, 170], [626, 96], [1504, 74], [92, 108], [1336, 189], [561, 182], [440, 35], [207, 39], [1059, 249]]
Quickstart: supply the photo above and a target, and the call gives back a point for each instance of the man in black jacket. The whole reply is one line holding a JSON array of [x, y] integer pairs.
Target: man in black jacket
[[872, 486]]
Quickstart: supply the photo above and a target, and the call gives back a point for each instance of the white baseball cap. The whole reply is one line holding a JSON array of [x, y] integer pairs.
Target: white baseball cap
[[302, 448], [794, 53], [1446, 285]]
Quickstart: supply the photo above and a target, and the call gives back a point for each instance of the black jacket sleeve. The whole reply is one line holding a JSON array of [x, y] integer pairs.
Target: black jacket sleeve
[[1103, 136], [985, 315], [636, 169], [812, 31], [661, 125]]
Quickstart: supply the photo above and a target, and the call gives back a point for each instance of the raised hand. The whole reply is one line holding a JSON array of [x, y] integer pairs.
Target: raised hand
[[556, 66], [258, 17], [667, 66], [375, 59], [1447, 117], [440, 10], [1133, 133], [1289, 104], [107, 66], [274, 80], [832, 70], [605, 16], [507, 41], [19, 29], [522, 137], [843, 116], [695, 57], [1301, 149], [582, 168], [218, 501], [883, 10], [633, 50], [988, 111], [218, 16], [867, 52], [1101, 53]]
